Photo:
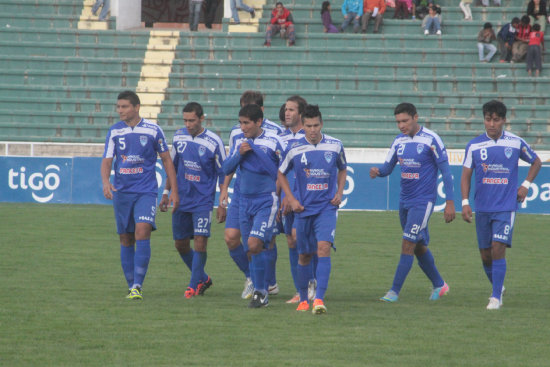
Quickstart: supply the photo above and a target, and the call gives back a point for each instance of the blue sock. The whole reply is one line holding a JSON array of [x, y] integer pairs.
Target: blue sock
[[499, 272], [427, 264], [127, 262], [188, 259], [322, 275], [270, 258], [239, 257], [303, 273], [403, 268], [141, 261], [258, 270], [489, 272], [197, 272], [293, 257]]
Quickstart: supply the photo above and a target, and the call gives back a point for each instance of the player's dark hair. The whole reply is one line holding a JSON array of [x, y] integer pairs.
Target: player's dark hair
[[252, 112], [515, 20], [325, 6], [312, 111], [301, 102], [405, 107], [536, 27], [130, 96], [282, 113], [494, 107], [252, 97], [194, 107]]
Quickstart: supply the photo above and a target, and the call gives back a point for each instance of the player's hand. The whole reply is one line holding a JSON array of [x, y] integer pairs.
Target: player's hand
[[467, 213], [223, 199], [296, 206], [337, 199], [374, 172], [163, 205], [108, 191], [449, 213], [174, 200], [522, 194], [244, 148], [221, 214], [286, 208]]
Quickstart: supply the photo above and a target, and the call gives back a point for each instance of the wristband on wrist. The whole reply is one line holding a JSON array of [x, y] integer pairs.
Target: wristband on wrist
[[465, 202], [526, 184], [166, 192]]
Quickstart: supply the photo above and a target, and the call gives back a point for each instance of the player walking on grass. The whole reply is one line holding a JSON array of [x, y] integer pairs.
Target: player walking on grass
[[135, 142], [421, 153], [257, 154], [494, 157], [319, 163], [198, 155]]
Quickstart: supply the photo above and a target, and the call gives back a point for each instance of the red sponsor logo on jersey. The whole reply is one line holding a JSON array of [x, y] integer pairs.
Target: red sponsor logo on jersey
[[317, 187], [193, 178], [495, 181], [410, 175], [130, 171]]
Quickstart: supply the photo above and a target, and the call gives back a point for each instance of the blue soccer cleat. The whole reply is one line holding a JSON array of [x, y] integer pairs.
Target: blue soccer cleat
[[439, 291], [391, 296]]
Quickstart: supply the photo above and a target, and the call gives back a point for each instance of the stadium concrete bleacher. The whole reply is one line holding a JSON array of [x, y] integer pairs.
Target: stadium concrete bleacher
[[61, 71]]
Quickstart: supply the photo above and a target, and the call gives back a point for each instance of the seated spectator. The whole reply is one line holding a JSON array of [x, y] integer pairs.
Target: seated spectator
[[536, 9], [535, 50], [105, 6], [352, 10], [281, 22], [486, 2], [432, 22], [485, 38], [519, 48], [402, 9], [327, 19], [420, 8], [465, 6], [372, 9], [506, 37]]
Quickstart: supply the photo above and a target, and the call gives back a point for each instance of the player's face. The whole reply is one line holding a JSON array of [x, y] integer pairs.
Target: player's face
[[193, 123], [126, 111], [494, 125], [250, 128], [292, 114], [312, 128], [407, 124]]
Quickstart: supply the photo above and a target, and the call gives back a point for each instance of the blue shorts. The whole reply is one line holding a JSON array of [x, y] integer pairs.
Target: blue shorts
[[312, 229], [414, 222], [133, 208], [497, 227], [257, 216], [232, 217], [191, 224], [288, 223]]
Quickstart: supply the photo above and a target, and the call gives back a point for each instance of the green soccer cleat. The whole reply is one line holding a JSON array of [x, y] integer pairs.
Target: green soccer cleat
[[135, 294]]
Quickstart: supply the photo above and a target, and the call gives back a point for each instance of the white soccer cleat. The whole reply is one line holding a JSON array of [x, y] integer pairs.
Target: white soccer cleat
[[312, 289], [494, 304], [273, 289], [248, 289]]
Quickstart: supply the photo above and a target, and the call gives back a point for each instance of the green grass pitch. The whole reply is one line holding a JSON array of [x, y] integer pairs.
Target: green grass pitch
[[62, 301]]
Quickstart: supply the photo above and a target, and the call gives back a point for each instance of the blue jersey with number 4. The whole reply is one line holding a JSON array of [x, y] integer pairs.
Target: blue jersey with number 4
[[135, 155]]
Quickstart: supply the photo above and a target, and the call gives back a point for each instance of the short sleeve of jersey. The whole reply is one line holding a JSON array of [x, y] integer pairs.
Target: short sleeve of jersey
[[526, 153]]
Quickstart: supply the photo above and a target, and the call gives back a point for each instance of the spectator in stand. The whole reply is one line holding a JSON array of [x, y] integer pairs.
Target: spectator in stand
[[237, 5], [485, 38], [281, 22], [327, 19], [486, 2], [432, 22], [536, 9], [420, 8], [210, 9], [519, 48], [506, 37], [105, 6], [535, 50], [372, 9], [352, 11], [194, 14], [465, 6], [402, 9]]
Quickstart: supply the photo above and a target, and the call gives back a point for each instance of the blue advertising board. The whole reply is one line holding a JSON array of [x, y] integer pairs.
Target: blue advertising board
[[77, 181]]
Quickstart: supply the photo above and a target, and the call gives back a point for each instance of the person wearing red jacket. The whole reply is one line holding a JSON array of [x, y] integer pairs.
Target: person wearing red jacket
[[282, 22], [372, 9]]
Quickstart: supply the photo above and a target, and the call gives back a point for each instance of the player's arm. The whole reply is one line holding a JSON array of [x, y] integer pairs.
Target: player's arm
[[232, 162], [221, 212], [174, 198], [108, 188], [449, 213], [164, 200], [289, 196], [523, 190], [341, 183], [387, 167], [465, 183]]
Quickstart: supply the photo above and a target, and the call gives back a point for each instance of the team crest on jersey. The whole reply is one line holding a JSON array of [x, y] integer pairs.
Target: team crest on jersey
[[328, 157], [508, 152], [202, 150], [263, 148], [419, 148], [143, 140]]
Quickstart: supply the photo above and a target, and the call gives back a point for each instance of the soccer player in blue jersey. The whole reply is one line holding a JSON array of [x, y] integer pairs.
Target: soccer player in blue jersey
[[232, 232], [494, 157], [133, 143], [257, 154], [319, 163], [198, 155], [421, 153]]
